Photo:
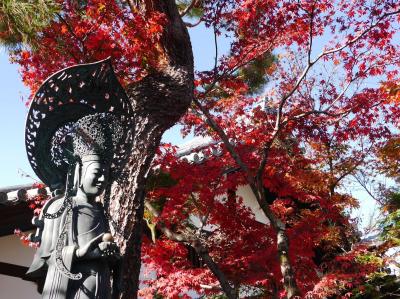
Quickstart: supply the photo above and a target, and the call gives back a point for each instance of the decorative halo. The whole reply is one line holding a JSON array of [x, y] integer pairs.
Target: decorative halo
[[64, 98]]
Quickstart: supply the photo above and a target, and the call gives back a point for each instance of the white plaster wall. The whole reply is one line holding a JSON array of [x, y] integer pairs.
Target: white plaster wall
[[16, 288], [12, 251], [250, 201]]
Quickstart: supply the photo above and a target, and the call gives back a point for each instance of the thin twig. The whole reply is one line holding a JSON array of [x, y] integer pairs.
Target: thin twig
[[364, 186], [216, 52], [325, 53], [192, 25], [358, 37], [311, 35]]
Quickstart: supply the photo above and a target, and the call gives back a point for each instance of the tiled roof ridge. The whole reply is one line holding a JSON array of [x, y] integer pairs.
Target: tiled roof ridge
[[195, 151], [196, 144], [12, 195]]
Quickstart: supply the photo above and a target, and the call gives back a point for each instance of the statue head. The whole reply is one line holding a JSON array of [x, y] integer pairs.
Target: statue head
[[94, 141], [94, 177]]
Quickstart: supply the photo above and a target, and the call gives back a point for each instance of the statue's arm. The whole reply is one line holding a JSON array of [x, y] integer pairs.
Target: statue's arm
[[88, 251]]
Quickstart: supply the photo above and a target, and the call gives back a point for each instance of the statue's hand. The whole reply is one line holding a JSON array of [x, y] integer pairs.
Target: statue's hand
[[109, 249], [89, 247]]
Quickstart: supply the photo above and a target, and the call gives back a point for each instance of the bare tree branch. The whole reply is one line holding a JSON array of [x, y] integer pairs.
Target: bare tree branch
[[358, 37], [310, 35], [363, 184], [325, 53]]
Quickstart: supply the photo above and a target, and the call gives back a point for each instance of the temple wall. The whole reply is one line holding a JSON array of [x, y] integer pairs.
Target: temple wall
[[16, 288], [250, 201], [12, 251]]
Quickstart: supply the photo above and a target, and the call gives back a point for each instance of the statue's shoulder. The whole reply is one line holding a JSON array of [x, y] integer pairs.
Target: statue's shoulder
[[53, 204]]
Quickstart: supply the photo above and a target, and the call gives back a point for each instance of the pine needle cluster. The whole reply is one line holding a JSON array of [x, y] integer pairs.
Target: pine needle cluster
[[22, 20]]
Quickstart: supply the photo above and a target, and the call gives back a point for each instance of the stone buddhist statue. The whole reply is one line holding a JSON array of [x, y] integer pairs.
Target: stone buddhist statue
[[77, 257]]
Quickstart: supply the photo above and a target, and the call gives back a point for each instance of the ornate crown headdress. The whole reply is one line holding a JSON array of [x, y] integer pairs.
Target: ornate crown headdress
[[97, 134]]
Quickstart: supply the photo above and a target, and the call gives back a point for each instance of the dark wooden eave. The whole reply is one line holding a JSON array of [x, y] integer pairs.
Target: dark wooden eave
[[14, 208], [17, 216]]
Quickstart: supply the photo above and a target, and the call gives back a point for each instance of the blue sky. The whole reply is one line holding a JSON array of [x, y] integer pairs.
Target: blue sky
[[12, 124]]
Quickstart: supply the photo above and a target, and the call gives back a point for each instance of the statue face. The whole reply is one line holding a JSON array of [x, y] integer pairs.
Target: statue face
[[94, 178]]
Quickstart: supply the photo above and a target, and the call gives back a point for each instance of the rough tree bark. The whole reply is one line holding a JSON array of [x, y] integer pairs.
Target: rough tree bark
[[159, 100]]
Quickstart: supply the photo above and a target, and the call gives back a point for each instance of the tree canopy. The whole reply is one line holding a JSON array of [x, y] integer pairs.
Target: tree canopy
[[305, 99]]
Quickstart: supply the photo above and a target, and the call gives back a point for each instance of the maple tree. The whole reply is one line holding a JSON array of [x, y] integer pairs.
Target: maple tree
[[325, 108], [323, 120]]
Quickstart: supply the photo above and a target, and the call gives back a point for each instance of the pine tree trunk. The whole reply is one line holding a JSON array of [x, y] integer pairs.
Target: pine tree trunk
[[159, 100]]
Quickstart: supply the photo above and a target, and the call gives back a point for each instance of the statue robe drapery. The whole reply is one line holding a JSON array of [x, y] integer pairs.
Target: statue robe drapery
[[88, 221]]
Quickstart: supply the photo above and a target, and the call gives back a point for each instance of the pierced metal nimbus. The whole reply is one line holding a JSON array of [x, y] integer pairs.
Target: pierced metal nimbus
[[63, 98]]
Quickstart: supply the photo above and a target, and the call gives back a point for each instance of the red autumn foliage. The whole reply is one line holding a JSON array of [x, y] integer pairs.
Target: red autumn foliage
[[325, 115]]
